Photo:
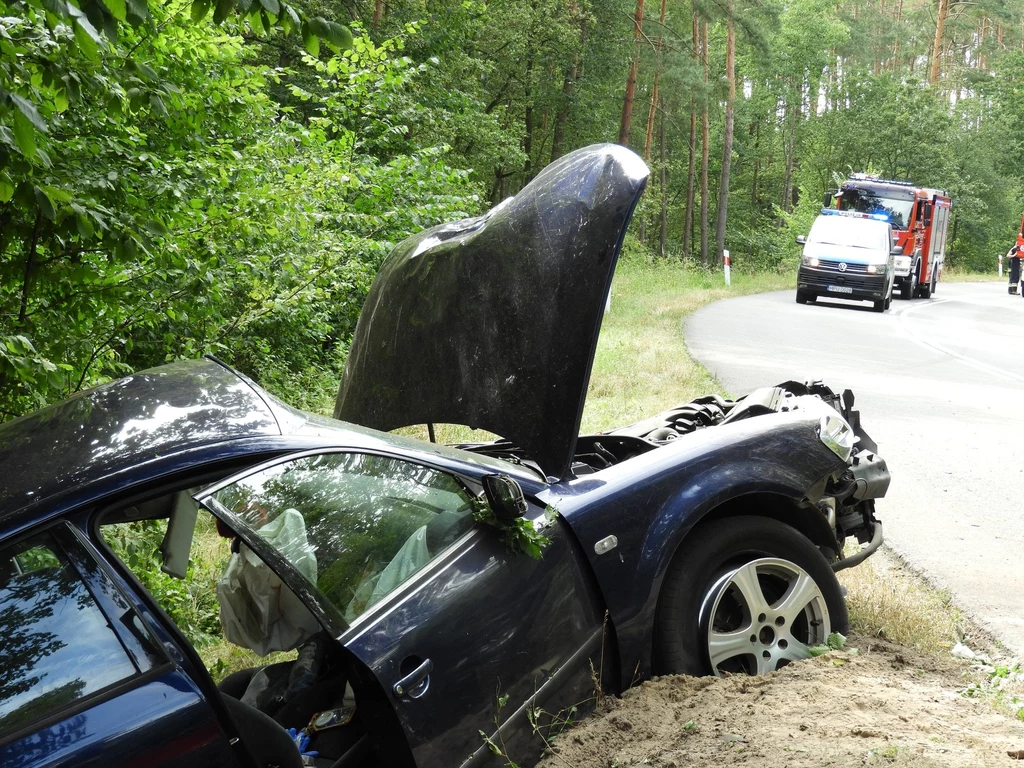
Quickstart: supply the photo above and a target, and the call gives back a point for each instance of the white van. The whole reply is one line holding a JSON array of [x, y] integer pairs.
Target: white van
[[847, 255]]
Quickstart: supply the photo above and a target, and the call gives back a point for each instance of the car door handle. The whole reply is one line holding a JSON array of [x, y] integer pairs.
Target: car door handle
[[415, 683]]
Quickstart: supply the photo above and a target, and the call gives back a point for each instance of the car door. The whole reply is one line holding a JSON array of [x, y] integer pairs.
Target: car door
[[84, 682], [459, 634]]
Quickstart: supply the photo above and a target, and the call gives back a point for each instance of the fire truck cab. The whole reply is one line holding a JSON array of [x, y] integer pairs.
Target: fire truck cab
[[920, 221]]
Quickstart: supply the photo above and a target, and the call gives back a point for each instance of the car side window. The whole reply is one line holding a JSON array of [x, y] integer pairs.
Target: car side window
[[355, 525], [56, 645]]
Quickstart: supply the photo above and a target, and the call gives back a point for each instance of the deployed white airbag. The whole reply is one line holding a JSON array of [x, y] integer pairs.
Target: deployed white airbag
[[257, 610]]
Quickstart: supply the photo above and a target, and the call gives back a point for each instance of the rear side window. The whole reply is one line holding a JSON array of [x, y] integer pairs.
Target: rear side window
[[56, 645]]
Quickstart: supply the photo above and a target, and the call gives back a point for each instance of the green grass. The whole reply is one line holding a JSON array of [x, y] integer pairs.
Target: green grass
[[886, 599], [953, 275], [642, 365]]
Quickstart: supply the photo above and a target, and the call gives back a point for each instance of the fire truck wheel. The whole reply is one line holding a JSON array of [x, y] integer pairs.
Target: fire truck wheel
[[926, 289], [909, 288]]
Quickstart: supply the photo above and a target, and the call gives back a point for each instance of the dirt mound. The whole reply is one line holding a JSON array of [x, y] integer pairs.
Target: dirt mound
[[884, 705]]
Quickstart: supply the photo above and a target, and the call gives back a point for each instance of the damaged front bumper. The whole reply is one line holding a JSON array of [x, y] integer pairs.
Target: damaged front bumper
[[853, 499], [847, 497]]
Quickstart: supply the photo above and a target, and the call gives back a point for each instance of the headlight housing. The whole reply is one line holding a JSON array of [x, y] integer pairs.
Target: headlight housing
[[876, 269], [837, 435], [810, 261], [902, 263]]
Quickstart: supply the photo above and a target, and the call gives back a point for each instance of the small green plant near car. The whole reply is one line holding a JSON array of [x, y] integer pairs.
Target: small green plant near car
[[519, 535], [834, 642]]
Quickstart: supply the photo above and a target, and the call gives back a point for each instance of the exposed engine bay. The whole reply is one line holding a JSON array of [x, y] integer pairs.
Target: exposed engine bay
[[846, 497]]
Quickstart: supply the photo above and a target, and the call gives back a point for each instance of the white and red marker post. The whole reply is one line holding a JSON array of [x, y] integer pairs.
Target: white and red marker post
[[727, 263]]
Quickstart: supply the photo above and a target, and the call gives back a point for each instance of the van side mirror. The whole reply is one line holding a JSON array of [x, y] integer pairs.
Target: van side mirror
[[505, 497], [897, 250], [827, 201], [801, 240]]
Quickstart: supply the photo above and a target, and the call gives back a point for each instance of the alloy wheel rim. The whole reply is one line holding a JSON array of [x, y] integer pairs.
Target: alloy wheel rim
[[763, 615]]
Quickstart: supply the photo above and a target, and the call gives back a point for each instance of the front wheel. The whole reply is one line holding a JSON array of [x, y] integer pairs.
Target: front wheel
[[909, 287], [745, 595], [879, 306]]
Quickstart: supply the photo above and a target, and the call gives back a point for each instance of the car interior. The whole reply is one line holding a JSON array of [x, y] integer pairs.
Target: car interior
[[314, 689]]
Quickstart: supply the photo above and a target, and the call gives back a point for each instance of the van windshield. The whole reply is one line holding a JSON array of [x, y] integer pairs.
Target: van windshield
[[866, 201], [856, 233]]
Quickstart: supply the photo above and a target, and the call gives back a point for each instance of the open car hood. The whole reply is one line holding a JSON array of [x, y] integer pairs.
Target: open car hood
[[492, 322]]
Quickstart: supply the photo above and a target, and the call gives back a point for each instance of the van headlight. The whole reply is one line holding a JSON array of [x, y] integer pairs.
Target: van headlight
[[876, 269], [837, 435], [810, 261]]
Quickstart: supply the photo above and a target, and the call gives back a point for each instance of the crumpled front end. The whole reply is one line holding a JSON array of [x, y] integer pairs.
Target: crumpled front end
[[846, 496]]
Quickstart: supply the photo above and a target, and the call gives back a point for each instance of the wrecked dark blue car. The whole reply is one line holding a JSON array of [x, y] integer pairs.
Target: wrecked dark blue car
[[401, 576]]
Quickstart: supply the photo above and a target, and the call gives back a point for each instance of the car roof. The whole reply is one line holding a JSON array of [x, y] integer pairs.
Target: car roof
[[195, 408], [125, 423]]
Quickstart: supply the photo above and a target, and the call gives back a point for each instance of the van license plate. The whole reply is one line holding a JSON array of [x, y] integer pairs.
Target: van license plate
[[840, 289]]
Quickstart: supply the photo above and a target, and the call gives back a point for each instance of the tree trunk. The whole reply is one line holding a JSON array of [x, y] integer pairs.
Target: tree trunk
[[528, 123], [663, 232], [650, 120], [896, 42], [654, 90], [705, 130], [940, 26], [730, 104], [688, 215], [755, 131], [378, 12], [982, 37], [787, 179], [627, 102], [568, 94]]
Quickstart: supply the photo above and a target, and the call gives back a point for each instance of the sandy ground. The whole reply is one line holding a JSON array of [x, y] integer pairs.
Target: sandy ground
[[883, 705]]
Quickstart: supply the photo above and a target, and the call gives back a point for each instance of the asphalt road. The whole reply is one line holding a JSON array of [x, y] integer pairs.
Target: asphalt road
[[940, 386]]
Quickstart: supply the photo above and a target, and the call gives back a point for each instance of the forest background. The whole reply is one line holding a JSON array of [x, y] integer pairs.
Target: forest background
[[226, 176]]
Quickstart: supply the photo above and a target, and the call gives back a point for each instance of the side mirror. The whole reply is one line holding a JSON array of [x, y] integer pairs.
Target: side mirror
[[505, 496], [897, 250], [801, 239], [827, 201]]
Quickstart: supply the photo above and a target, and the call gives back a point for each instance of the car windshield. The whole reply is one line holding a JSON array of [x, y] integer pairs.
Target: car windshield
[[866, 201], [856, 233]]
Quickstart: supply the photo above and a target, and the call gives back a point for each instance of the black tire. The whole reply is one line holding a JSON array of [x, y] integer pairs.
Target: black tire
[[879, 306], [926, 289], [710, 554], [909, 289], [801, 297], [888, 301]]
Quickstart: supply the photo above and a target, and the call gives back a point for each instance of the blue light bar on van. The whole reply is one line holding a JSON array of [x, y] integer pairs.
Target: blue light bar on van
[[854, 214]]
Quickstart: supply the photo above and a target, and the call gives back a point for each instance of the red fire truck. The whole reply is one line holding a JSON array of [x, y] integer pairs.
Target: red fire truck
[[1014, 258], [920, 221]]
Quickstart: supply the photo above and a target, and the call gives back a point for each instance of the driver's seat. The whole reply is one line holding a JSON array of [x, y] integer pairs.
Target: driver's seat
[[263, 737]]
